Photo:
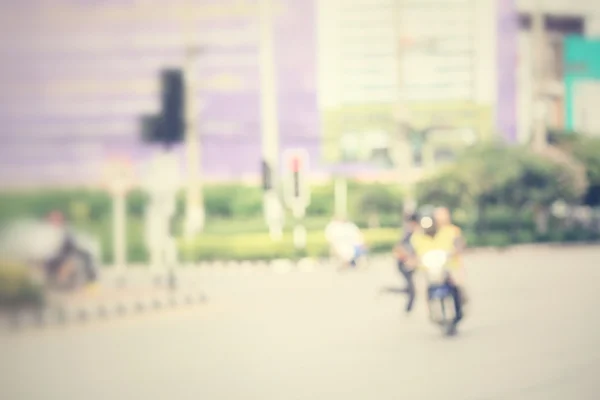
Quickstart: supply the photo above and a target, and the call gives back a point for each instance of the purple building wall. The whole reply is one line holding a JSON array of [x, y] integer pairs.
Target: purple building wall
[[72, 147], [52, 138], [508, 29]]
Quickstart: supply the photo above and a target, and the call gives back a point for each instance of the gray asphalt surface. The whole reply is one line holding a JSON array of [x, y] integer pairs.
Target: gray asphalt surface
[[533, 332]]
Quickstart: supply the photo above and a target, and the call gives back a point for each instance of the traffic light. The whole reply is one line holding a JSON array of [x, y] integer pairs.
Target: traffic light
[[267, 176], [151, 127], [297, 170], [295, 166], [168, 126], [173, 104]]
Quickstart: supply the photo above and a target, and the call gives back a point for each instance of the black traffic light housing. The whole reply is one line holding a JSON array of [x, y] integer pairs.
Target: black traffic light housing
[[168, 127], [267, 176]]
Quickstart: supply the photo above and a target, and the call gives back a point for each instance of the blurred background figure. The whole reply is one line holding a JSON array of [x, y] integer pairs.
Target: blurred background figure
[[61, 257], [346, 241], [73, 263]]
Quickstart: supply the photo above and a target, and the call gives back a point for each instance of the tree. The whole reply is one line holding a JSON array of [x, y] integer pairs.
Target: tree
[[495, 174], [587, 151], [379, 200]]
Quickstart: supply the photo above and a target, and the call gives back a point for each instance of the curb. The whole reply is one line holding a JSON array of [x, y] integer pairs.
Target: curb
[[63, 315], [275, 264], [192, 273], [534, 246], [261, 265]]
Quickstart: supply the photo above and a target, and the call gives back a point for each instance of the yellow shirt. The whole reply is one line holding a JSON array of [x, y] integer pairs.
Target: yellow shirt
[[444, 239]]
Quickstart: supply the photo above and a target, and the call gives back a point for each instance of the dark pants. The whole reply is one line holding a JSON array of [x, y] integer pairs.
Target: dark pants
[[458, 302], [68, 249], [410, 284]]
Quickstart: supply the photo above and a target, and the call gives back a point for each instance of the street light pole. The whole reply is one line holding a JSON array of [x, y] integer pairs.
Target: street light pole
[[268, 92], [193, 145], [268, 103], [195, 213], [539, 76], [402, 144]]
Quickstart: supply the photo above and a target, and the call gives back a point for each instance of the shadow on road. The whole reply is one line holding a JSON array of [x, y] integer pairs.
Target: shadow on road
[[392, 290]]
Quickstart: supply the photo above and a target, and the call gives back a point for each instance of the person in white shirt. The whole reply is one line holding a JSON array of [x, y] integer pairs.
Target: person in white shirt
[[345, 239]]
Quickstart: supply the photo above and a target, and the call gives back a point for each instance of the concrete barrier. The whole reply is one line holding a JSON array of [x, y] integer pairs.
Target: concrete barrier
[[68, 313]]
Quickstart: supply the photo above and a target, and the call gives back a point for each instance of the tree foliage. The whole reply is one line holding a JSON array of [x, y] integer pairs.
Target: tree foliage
[[494, 173], [585, 150], [379, 199]]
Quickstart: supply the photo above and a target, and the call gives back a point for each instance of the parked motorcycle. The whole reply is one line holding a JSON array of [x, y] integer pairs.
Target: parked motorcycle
[[445, 308]]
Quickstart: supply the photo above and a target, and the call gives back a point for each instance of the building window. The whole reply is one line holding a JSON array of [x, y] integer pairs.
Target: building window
[[562, 24], [556, 28], [555, 52]]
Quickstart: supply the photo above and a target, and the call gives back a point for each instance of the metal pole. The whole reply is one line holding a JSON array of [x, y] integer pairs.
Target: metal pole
[[268, 103], [538, 45], [268, 92], [404, 152], [193, 144], [119, 233], [299, 233]]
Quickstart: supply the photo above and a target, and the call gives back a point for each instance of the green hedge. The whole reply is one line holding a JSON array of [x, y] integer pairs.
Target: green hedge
[[222, 201], [16, 287], [247, 238], [258, 246]]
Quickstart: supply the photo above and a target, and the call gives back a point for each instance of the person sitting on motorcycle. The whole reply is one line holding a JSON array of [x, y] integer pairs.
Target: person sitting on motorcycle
[[56, 265], [434, 236]]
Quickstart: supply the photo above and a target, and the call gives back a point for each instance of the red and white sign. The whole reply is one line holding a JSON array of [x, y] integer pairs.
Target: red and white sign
[[296, 160], [296, 178]]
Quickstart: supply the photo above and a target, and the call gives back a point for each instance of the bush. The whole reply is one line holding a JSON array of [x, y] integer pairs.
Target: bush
[[496, 178], [16, 287], [137, 200], [322, 201], [258, 246]]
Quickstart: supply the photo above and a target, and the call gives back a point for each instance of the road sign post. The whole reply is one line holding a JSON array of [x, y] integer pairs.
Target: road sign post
[[119, 176], [297, 190], [272, 208], [162, 182], [274, 215]]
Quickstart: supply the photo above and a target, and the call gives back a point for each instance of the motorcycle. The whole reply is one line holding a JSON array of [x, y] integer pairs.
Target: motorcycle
[[445, 308]]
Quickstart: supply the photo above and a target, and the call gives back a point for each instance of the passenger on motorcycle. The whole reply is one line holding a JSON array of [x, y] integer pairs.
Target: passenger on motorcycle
[[440, 236], [443, 219]]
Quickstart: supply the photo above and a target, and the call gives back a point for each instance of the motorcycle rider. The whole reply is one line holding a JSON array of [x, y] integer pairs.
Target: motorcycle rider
[[444, 236]]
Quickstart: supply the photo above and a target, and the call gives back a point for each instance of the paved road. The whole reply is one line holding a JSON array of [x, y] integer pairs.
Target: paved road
[[533, 333]]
